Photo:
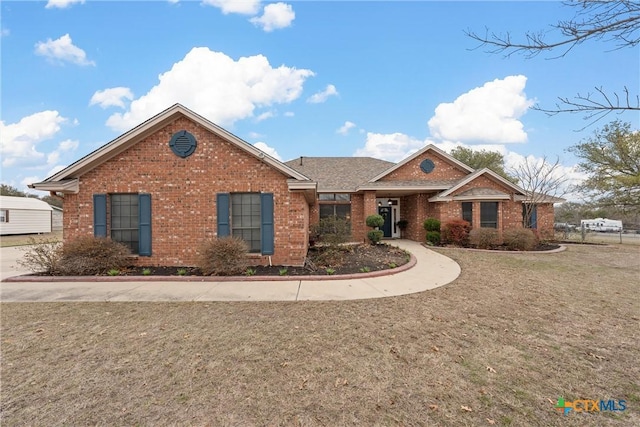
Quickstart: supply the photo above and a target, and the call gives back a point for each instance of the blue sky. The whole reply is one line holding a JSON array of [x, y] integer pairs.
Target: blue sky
[[312, 78]]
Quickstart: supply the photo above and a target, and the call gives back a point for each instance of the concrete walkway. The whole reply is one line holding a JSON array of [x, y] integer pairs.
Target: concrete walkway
[[432, 270]]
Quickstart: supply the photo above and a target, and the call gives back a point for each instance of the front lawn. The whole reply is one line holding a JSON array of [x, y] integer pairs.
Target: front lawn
[[498, 346]]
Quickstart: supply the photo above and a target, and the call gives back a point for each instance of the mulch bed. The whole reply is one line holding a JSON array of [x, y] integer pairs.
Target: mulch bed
[[320, 261]]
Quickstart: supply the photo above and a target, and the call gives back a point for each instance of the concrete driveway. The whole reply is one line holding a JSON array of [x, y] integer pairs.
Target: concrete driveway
[[431, 270]]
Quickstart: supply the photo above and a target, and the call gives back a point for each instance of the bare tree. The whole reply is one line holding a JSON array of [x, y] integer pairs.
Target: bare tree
[[616, 21], [542, 181]]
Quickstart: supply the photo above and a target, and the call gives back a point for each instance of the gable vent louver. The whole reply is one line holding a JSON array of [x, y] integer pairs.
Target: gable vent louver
[[183, 144]]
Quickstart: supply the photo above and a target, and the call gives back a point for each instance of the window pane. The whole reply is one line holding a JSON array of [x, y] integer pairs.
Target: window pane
[[246, 219], [467, 212], [343, 211], [327, 211], [124, 219], [343, 197], [489, 214], [326, 196]]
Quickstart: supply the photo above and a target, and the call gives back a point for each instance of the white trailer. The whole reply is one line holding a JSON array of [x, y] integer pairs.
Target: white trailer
[[24, 215], [602, 224]]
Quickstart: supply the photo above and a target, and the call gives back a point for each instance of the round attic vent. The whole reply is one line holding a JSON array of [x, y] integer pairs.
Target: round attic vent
[[427, 166], [183, 144]]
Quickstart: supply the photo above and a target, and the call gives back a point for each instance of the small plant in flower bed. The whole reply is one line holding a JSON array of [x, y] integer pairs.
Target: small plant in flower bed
[[330, 271], [484, 238], [82, 256], [226, 256], [283, 271], [520, 239], [182, 272], [113, 272], [146, 271], [456, 232], [250, 272]]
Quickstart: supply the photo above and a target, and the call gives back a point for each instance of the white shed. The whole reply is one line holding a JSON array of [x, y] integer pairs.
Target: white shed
[[24, 215]]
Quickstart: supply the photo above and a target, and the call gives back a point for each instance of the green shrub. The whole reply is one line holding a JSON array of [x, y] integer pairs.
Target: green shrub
[[224, 256], [146, 272], [484, 238], [250, 272], [374, 221], [520, 239], [433, 237], [283, 271], [431, 224], [456, 232], [375, 236], [332, 230], [42, 256], [89, 255]]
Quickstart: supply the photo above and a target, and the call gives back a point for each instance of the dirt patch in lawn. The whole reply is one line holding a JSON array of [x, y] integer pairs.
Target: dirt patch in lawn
[[498, 346]]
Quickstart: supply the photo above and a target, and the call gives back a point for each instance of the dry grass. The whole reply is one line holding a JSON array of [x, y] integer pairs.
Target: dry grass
[[548, 325], [25, 239]]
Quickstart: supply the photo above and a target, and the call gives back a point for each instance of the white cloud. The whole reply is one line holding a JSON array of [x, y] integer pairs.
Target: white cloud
[[392, 147], [18, 141], [255, 135], [217, 87], [62, 4], [275, 16], [269, 150], [289, 114], [112, 97], [322, 96], [346, 127], [244, 7], [62, 50], [5, 32], [68, 145], [485, 114], [264, 116]]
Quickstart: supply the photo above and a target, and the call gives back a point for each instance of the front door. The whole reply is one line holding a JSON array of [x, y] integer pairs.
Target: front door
[[385, 212]]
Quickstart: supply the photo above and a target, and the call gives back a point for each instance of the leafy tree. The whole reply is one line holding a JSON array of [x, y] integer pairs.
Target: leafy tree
[[611, 158], [53, 201], [613, 21], [8, 190], [483, 159]]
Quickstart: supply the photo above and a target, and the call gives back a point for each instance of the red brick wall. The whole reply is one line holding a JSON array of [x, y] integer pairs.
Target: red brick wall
[[183, 195], [411, 171]]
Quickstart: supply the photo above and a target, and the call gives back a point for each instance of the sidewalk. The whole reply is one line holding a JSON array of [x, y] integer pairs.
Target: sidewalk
[[432, 270]]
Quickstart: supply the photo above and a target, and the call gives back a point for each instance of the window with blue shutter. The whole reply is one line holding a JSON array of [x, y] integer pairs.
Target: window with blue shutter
[[248, 216], [222, 209], [144, 224], [100, 215]]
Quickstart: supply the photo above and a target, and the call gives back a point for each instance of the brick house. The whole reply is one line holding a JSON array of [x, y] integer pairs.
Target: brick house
[[178, 179]]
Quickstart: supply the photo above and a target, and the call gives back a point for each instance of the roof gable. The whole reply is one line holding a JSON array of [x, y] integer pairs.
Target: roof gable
[[152, 125], [420, 153], [488, 173]]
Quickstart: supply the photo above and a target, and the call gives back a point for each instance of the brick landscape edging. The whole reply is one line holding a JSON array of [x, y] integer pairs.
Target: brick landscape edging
[[51, 279]]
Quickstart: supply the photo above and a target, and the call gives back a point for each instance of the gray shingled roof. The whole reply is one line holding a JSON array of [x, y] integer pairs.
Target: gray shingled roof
[[339, 174], [435, 184]]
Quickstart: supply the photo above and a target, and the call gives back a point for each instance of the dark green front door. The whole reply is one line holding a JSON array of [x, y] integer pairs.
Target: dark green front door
[[385, 212]]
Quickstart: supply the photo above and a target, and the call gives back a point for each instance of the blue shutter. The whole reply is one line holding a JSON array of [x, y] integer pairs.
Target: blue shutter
[[534, 217], [266, 211], [100, 215], [144, 224], [222, 205]]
